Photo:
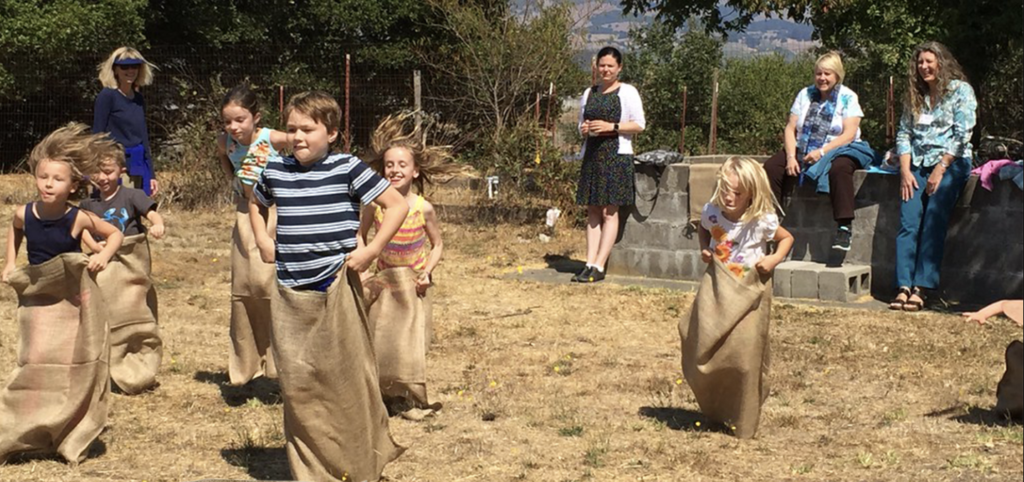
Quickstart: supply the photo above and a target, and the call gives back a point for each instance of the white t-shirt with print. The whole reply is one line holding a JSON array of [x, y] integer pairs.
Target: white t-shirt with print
[[739, 246], [847, 106]]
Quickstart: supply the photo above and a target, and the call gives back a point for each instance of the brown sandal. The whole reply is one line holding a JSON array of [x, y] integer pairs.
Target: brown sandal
[[900, 301], [913, 305]]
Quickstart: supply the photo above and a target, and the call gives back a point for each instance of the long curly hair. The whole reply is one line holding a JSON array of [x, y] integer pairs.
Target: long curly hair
[[917, 88], [77, 147], [410, 130]]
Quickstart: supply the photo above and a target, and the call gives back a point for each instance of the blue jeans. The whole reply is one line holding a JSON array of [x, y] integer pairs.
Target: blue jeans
[[924, 221]]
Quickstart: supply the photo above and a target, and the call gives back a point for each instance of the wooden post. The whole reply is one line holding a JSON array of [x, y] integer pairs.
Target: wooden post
[[682, 128], [417, 97], [348, 104], [536, 110], [552, 101], [280, 104], [713, 141], [417, 90], [890, 114], [547, 117]]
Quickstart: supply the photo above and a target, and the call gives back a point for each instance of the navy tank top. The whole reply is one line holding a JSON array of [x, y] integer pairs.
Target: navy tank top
[[49, 238]]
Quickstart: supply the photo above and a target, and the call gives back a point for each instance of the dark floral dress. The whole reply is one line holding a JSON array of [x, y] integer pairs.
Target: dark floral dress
[[606, 177]]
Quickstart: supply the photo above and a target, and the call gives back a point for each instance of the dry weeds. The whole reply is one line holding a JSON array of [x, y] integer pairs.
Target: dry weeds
[[565, 383]]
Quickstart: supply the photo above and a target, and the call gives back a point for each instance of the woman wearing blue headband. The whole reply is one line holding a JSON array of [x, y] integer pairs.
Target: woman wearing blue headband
[[121, 111]]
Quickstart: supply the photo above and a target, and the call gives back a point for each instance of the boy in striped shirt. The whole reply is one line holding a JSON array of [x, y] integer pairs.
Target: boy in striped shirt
[[335, 421], [318, 197]]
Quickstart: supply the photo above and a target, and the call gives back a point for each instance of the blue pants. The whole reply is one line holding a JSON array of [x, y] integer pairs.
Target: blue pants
[[924, 221]]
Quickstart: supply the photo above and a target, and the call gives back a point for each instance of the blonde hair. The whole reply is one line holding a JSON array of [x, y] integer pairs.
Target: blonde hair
[[409, 130], [106, 68], [75, 146], [832, 62], [114, 154], [319, 106], [917, 88], [753, 179]]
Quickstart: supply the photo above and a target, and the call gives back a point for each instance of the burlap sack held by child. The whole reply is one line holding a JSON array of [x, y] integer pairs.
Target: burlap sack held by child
[[335, 423], [725, 347], [401, 323], [56, 397], [1010, 396], [135, 345], [252, 282]]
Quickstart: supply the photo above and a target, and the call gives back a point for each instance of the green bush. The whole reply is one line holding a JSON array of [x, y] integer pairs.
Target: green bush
[[532, 171], [755, 95]]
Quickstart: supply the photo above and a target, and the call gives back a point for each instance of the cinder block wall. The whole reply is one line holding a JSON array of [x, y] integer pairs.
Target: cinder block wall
[[984, 258]]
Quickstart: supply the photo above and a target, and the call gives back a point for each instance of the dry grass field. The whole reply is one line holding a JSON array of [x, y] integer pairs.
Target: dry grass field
[[563, 383]]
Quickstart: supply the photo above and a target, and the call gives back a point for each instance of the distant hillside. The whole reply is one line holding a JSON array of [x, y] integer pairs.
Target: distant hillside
[[608, 26]]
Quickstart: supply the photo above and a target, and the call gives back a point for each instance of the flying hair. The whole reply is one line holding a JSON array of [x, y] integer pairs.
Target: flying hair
[[410, 130]]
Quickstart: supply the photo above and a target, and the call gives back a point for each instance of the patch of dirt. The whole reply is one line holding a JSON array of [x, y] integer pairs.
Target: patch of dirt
[[564, 383]]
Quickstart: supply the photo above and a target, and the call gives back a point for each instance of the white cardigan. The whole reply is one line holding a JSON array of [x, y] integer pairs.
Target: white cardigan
[[632, 111]]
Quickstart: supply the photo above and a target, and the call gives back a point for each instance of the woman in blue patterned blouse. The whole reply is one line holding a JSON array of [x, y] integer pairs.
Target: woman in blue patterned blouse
[[934, 145]]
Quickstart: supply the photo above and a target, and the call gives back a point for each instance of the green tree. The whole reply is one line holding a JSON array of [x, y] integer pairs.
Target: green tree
[[662, 62], [41, 40], [713, 13], [494, 66]]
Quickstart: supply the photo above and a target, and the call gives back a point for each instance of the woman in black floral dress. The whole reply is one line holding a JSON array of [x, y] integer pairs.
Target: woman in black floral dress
[[611, 114]]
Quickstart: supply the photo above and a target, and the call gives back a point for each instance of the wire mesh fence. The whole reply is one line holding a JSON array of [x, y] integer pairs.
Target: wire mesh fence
[[189, 84]]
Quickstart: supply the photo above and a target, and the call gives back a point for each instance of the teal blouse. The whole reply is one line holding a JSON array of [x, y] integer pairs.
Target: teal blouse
[[944, 128]]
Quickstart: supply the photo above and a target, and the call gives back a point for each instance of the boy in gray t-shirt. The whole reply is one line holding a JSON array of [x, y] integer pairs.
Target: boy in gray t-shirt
[[122, 206]]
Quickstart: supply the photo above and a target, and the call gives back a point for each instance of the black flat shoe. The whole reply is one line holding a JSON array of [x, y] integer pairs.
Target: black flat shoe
[[594, 277], [582, 276]]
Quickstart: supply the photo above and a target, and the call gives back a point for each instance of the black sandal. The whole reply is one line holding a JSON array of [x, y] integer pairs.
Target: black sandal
[[914, 306], [898, 304]]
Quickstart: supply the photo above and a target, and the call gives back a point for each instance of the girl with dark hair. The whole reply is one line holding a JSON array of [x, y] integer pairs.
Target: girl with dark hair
[[934, 145], [244, 149], [611, 114]]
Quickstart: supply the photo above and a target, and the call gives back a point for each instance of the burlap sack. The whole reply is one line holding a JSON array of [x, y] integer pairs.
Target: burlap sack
[[725, 347], [1010, 396], [56, 397], [335, 423], [400, 321], [703, 178], [135, 345], [252, 282]]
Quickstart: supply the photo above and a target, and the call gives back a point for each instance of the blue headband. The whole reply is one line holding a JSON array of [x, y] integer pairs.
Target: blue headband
[[128, 61]]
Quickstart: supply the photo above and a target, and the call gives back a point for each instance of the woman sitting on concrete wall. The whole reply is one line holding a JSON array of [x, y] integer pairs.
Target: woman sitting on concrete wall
[[934, 145], [824, 117]]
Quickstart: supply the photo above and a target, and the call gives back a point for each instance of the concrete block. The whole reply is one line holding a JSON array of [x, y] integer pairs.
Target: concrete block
[[647, 179], [845, 284], [623, 262], [677, 178], [672, 207], [782, 282], [804, 282]]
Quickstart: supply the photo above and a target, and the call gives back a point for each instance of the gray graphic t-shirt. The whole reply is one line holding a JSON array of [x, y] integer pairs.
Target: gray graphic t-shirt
[[125, 210]]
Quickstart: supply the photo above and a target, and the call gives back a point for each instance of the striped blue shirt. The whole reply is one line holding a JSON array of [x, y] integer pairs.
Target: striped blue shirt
[[317, 213]]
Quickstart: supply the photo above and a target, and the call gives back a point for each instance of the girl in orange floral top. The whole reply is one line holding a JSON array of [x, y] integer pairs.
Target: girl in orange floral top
[[741, 219]]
